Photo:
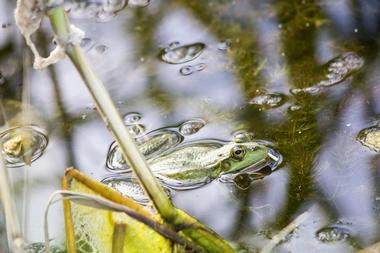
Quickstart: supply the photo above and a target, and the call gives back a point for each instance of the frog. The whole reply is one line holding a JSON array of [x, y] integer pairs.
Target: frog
[[198, 163], [194, 164]]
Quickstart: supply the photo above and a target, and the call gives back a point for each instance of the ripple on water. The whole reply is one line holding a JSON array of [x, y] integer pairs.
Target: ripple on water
[[22, 145], [176, 54], [268, 100], [128, 186], [332, 234], [191, 126], [370, 137], [242, 136]]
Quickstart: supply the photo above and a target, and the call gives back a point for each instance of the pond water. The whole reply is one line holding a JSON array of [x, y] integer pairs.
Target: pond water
[[301, 75]]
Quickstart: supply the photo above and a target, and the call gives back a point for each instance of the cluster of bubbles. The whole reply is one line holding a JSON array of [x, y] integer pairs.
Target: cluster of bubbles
[[39, 247], [22, 145], [338, 70], [100, 10], [370, 137], [333, 233], [268, 100]]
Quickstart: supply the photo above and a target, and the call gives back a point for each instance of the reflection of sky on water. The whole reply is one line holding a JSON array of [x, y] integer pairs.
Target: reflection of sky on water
[[343, 173]]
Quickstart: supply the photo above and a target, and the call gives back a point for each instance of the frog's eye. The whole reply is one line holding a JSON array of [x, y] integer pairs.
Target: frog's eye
[[238, 152]]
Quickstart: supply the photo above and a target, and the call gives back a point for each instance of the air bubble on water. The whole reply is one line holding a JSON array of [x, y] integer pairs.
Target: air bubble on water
[[332, 234], [22, 145], [313, 90], [186, 70], [131, 118], [294, 108], [90, 107], [83, 116], [200, 66], [370, 137], [242, 136], [175, 54], [101, 49], [224, 45], [174, 44], [138, 3], [86, 43], [356, 30], [191, 126], [136, 130], [268, 100]]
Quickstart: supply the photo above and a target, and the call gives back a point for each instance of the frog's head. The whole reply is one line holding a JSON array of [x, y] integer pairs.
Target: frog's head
[[250, 156]]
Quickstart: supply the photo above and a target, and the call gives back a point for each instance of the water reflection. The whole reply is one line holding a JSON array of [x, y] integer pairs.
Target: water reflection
[[249, 49]]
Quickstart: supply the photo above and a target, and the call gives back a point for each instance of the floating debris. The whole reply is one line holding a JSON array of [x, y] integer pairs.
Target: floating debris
[[370, 137], [176, 54], [191, 126], [22, 145], [132, 118], [338, 70], [269, 100], [157, 142], [242, 136], [332, 234]]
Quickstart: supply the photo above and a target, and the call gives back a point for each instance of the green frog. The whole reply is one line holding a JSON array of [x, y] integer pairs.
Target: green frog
[[195, 164]]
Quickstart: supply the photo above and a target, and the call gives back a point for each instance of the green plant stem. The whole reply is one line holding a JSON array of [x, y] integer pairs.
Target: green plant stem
[[16, 241], [111, 116], [171, 215]]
